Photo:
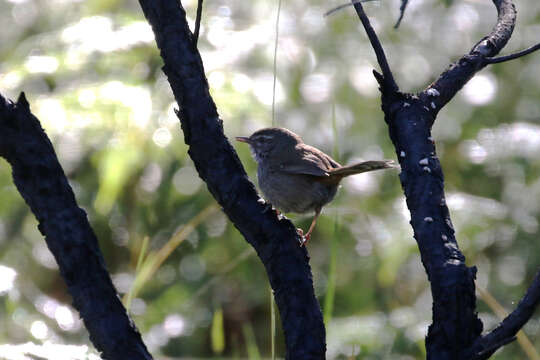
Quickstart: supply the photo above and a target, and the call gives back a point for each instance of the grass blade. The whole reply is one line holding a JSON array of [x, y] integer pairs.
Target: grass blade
[[155, 259], [142, 253], [251, 343], [332, 268]]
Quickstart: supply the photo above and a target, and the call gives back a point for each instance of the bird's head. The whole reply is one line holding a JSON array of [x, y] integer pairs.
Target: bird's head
[[264, 142]]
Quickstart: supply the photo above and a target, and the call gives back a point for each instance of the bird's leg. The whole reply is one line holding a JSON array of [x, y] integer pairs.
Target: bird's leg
[[311, 227]]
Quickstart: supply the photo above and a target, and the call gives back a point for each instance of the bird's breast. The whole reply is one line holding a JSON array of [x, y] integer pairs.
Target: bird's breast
[[294, 192]]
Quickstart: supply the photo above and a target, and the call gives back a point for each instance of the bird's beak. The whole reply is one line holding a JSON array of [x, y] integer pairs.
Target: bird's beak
[[243, 139]]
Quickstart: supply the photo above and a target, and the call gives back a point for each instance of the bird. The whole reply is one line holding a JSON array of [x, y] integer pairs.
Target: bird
[[296, 177]]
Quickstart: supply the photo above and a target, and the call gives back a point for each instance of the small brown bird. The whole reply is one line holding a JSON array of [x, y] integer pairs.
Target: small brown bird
[[295, 177]]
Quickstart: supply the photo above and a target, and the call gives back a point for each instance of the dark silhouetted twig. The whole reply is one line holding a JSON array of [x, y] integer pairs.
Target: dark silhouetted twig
[[401, 12], [390, 83], [457, 75], [521, 53], [508, 328], [198, 22], [343, 6]]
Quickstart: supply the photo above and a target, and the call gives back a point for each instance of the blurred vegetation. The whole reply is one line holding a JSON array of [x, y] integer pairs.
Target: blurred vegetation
[[91, 72]]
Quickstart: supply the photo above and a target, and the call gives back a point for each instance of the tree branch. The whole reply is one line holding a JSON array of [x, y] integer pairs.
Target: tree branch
[[343, 6], [508, 328], [198, 22], [387, 80], [410, 117], [460, 72], [456, 325], [43, 185], [276, 241], [401, 12], [513, 56]]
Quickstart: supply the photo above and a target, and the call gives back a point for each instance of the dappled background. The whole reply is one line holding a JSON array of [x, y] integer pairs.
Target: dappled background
[[91, 72]]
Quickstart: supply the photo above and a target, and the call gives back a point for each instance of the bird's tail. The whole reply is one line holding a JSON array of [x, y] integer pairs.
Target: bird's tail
[[363, 167]]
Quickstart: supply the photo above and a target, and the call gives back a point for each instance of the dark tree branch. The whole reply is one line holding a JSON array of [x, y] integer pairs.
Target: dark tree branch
[[486, 353], [455, 323], [457, 75], [276, 241], [389, 83], [43, 185], [401, 12], [456, 326], [198, 22], [513, 56], [508, 328]]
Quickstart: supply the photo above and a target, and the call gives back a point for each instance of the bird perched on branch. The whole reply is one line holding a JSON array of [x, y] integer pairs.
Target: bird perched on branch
[[296, 177]]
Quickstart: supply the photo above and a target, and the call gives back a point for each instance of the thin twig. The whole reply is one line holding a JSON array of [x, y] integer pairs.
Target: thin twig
[[198, 22], [501, 312], [494, 347], [401, 12], [501, 59], [460, 72], [343, 6], [377, 47], [508, 328]]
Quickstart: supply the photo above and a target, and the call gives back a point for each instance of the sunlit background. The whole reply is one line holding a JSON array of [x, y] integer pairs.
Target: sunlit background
[[91, 72]]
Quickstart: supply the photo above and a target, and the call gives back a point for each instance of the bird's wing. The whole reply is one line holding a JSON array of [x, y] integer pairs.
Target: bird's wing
[[310, 161]]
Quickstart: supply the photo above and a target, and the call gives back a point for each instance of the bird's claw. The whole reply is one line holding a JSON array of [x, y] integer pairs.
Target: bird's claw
[[303, 238]]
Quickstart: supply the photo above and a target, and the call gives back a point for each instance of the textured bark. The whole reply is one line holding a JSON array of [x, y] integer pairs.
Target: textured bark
[[455, 323], [460, 72], [275, 240], [455, 332], [44, 186]]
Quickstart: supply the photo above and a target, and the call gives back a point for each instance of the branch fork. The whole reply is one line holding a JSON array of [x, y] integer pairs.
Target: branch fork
[[456, 333]]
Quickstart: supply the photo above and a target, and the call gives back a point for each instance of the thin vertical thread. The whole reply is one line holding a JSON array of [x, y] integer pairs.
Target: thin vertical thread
[[275, 65]]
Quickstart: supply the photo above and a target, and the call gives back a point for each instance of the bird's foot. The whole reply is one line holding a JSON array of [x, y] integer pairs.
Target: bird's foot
[[303, 238]]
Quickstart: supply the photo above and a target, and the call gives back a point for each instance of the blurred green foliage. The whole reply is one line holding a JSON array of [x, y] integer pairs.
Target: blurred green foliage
[[91, 72]]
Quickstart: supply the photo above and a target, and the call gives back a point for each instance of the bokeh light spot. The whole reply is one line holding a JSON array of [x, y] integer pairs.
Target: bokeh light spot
[[39, 330], [316, 88], [186, 180], [162, 137], [7, 278], [174, 325], [480, 90], [64, 317], [41, 64]]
